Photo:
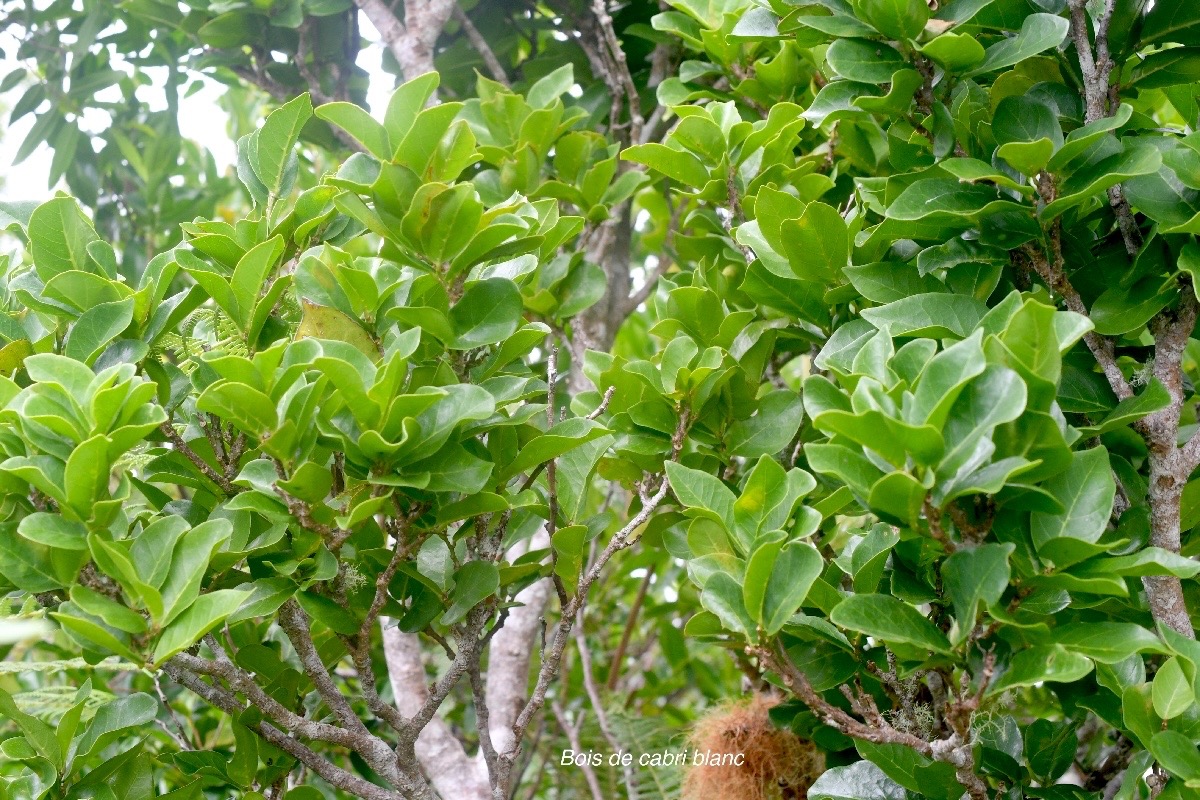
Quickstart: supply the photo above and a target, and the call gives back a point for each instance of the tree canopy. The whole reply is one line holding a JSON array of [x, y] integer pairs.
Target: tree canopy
[[812, 376]]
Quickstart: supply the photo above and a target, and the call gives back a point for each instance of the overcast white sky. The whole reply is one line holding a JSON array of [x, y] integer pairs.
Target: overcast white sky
[[201, 119]]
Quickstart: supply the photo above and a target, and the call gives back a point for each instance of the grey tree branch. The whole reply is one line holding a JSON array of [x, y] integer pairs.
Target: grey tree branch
[[620, 66], [191, 455], [450, 770], [955, 749], [336, 776], [594, 697], [614, 670], [281, 94], [1170, 466], [481, 45], [1051, 271], [510, 655], [295, 624], [412, 41], [487, 748], [552, 652], [1096, 65], [572, 732]]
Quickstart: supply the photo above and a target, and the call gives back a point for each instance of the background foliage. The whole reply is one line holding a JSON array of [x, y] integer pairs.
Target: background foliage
[[635, 359]]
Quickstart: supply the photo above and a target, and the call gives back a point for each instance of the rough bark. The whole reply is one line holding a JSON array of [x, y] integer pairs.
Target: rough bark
[[509, 658], [412, 41], [450, 770]]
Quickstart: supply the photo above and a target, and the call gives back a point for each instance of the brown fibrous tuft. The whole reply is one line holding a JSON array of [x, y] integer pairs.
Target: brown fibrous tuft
[[776, 764]]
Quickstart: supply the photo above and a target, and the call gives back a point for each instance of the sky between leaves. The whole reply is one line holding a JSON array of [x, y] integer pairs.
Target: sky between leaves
[[201, 118]]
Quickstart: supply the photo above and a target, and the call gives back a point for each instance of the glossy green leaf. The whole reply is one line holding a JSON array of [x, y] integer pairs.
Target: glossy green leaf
[[889, 619]]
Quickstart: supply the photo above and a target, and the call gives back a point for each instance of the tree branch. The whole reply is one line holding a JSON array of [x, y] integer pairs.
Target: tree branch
[[481, 45], [510, 655], [412, 41], [1096, 66], [614, 670], [1053, 275], [593, 693], [572, 732], [552, 652], [1170, 466], [191, 455], [336, 776], [451, 771], [620, 65], [954, 750], [295, 624]]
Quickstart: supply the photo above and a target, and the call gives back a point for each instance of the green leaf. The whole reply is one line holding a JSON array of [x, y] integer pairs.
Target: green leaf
[[994, 398], [561, 439], [699, 490], [87, 474], [406, 103], [474, 582], [1172, 692], [1086, 492], [778, 578], [678, 165], [897, 497], [1088, 181], [1177, 753], [973, 577], [863, 60], [915, 772], [39, 735], [488, 312], [1107, 642], [1043, 664], [107, 609], [1050, 748], [205, 613], [189, 562], [551, 86], [861, 780], [266, 596], [250, 276], [243, 405], [1153, 398], [929, 315], [59, 235], [1028, 133], [889, 619], [132, 711], [151, 550], [722, 595], [271, 146], [1147, 561], [96, 327], [54, 530], [568, 546], [1172, 20], [1120, 310], [1178, 65], [1039, 32], [941, 196], [895, 19], [34, 567], [355, 120], [817, 244], [771, 428], [323, 322], [954, 52]]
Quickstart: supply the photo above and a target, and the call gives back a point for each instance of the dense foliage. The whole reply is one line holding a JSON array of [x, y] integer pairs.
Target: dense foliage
[[832, 351]]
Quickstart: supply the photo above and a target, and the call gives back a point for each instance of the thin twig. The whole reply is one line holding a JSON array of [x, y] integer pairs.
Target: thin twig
[[481, 45]]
